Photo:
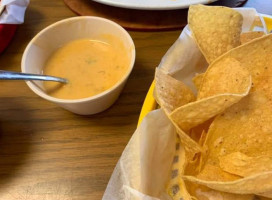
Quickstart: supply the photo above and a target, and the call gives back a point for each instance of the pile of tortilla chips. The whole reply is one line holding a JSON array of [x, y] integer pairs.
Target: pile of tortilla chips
[[224, 145]]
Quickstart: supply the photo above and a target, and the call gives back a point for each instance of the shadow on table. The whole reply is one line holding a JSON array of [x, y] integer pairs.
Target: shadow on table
[[15, 138], [15, 127]]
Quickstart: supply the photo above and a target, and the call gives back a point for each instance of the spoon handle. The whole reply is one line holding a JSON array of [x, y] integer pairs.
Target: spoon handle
[[8, 75]]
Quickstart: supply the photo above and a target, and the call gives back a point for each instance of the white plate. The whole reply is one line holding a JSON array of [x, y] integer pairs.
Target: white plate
[[153, 4]]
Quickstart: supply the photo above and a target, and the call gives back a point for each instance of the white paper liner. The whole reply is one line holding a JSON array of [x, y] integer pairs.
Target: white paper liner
[[145, 164], [143, 169], [14, 11]]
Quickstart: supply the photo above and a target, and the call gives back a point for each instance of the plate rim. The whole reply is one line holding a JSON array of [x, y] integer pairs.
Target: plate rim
[[183, 4]]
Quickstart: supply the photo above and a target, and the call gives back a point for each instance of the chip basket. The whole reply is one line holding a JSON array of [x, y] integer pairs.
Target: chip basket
[[151, 104]]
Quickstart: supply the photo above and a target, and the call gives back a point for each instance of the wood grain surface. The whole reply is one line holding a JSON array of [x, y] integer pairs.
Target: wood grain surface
[[47, 153], [152, 20]]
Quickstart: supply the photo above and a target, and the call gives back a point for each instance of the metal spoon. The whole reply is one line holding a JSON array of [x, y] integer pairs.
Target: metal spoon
[[8, 75]]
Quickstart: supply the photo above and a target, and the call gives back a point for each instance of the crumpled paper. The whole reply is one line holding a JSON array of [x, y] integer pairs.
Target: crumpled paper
[[144, 167], [14, 11]]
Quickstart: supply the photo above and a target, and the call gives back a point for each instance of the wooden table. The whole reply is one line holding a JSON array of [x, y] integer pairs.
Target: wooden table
[[47, 153]]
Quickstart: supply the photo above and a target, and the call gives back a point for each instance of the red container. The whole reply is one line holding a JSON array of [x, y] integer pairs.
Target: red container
[[7, 32]]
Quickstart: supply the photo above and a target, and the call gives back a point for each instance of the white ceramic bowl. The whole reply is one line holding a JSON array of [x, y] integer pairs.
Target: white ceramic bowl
[[51, 38]]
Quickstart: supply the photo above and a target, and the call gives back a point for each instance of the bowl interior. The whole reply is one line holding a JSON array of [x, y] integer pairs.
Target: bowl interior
[[53, 37]]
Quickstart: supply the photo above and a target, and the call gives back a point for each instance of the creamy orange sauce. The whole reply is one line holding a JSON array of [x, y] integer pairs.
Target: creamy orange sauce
[[91, 66]]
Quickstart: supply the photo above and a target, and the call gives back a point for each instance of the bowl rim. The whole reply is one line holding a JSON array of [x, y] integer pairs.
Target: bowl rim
[[42, 94]]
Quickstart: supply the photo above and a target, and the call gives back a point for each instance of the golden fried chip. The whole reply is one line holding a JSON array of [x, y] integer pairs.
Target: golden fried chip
[[192, 147], [236, 156], [193, 114], [240, 164], [210, 172], [224, 76], [204, 193], [202, 138], [248, 36], [245, 127], [196, 134], [216, 29], [197, 80], [259, 183], [256, 56], [225, 82], [171, 93]]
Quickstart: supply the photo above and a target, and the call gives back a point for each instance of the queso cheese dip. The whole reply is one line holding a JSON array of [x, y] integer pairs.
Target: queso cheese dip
[[91, 67]]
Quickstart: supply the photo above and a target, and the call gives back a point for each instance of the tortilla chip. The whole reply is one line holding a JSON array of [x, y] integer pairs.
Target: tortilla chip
[[197, 80], [202, 138], [195, 113], [202, 192], [256, 56], [225, 82], [248, 36], [245, 127], [171, 93], [239, 140], [178, 189], [224, 76], [216, 29], [215, 173], [257, 22], [259, 183], [191, 146], [243, 165], [199, 132], [236, 129], [205, 193]]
